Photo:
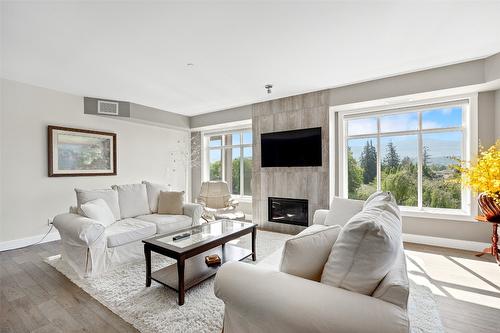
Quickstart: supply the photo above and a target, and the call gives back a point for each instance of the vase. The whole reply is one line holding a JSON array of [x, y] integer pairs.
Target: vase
[[489, 207]]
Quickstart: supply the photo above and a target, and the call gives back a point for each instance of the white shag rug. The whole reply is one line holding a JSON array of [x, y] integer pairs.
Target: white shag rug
[[155, 309]]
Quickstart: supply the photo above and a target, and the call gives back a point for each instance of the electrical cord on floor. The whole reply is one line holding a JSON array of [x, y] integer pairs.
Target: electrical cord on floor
[[41, 240]]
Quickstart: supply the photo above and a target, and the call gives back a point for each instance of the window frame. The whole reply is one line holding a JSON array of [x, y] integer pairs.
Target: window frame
[[206, 158], [469, 146]]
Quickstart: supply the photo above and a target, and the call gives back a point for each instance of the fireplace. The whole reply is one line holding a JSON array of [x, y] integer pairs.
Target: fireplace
[[287, 210]]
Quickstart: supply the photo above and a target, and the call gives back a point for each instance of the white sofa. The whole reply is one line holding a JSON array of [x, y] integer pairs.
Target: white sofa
[[92, 247], [261, 298]]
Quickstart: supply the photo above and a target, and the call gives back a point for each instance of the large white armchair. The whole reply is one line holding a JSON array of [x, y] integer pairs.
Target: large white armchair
[[218, 202], [261, 298]]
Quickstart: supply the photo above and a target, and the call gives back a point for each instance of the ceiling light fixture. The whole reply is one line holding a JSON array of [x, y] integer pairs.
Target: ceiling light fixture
[[268, 88], [190, 64]]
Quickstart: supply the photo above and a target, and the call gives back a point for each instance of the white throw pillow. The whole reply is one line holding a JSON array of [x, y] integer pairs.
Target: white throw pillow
[[99, 211], [383, 200], [108, 195], [342, 210], [133, 200], [154, 194], [365, 250], [305, 254]]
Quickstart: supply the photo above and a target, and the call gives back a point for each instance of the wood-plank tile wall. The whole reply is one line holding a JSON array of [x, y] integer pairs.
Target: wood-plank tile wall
[[311, 183]]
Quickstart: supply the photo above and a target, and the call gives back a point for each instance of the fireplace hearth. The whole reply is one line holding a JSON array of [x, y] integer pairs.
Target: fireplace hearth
[[288, 211]]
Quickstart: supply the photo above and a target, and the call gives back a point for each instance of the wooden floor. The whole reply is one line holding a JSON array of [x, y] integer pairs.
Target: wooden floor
[[467, 288], [34, 297]]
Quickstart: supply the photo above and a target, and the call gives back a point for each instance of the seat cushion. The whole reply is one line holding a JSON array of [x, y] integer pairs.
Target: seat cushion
[[108, 195], [229, 214], [133, 200], [305, 254], [366, 248], [154, 194], [167, 223], [128, 230], [99, 211]]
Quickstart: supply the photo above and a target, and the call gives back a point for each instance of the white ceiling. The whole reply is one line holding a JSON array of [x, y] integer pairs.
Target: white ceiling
[[138, 51]]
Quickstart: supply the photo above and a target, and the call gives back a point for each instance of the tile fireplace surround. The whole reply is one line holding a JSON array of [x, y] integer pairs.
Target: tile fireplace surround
[[310, 183]]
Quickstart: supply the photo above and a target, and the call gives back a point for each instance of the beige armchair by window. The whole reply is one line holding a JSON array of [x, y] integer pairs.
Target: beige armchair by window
[[217, 202]]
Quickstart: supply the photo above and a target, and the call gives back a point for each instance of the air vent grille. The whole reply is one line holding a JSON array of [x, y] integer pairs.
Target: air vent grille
[[107, 108]]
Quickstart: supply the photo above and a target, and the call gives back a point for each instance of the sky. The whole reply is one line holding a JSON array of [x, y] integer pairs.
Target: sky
[[236, 138], [434, 118], [440, 145]]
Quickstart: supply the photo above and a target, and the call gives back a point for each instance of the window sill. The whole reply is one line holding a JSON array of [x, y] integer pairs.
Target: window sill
[[440, 214]]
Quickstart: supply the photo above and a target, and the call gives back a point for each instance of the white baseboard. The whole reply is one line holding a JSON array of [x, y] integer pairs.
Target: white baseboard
[[445, 242], [17, 243]]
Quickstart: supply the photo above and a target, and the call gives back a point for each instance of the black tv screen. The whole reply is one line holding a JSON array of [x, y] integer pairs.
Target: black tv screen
[[296, 148]]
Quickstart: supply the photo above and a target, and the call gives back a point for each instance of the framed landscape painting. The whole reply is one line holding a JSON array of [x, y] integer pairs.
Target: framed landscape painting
[[79, 152]]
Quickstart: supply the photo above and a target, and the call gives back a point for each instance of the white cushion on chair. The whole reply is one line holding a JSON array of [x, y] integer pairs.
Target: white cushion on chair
[[99, 211], [366, 248], [215, 194], [127, 231], [108, 195], [305, 254], [154, 194], [133, 200]]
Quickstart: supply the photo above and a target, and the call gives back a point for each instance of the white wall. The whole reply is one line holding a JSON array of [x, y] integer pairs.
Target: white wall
[[29, 197], [2, 100]]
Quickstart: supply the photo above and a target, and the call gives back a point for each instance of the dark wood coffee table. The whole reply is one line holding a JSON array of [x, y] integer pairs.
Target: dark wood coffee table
[[205, 239]]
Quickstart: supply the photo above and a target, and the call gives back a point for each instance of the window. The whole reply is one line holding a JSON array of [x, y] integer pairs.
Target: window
[[410, 152], [229, 158]]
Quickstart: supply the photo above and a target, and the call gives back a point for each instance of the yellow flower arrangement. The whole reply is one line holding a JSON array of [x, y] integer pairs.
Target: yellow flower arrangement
[[483, 176]]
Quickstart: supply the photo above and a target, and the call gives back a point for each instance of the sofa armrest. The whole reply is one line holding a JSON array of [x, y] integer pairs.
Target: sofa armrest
[[320, 216], [194, 211], [233, 203], [269, 301], [78, 229]]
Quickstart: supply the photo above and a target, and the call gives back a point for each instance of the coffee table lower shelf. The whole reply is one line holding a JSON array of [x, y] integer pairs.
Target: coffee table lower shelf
[[196, 270]]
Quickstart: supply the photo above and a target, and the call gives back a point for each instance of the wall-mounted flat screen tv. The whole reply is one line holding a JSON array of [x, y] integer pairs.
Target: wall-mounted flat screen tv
[[297, 148]]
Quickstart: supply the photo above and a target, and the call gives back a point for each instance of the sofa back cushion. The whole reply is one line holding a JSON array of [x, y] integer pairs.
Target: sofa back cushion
[[108, 195], [305, 254], [342, 210], [366, 248], [153, 191], [99, 211], [133, 200], [171, 203]]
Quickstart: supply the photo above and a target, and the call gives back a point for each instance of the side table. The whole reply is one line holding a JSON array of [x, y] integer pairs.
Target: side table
[[493, 249]]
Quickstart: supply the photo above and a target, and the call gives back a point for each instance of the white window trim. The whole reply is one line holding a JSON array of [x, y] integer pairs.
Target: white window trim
[[470, 148], [205, 168]]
